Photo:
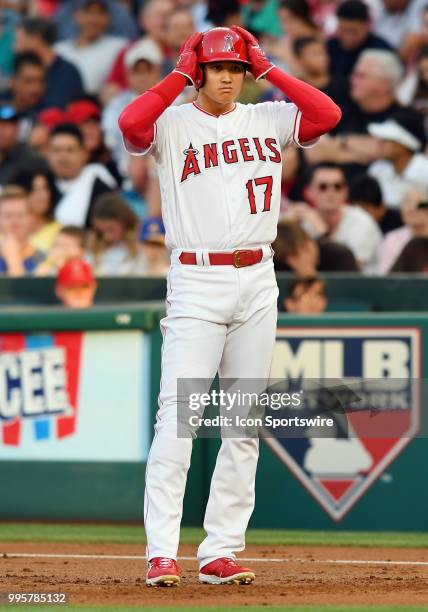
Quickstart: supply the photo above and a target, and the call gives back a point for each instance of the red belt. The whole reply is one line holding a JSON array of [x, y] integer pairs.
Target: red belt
[[238, 259]]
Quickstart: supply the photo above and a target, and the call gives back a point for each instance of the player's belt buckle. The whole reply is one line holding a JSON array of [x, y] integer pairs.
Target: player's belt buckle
[[239, 259]]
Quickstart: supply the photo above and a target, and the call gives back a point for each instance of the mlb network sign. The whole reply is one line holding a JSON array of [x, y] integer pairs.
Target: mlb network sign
[[337, 471]]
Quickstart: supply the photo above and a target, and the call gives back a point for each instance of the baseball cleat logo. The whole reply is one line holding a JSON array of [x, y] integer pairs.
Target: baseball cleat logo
[[228, 44], [337, 470]]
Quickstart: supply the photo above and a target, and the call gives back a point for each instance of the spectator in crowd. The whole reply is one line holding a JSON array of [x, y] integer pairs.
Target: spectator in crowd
[[27, 86], [143, 62], [75, 284], [179, 26], [122, 22], [153, 19], [313, 66], [414, 257], [7, 35], [414, 212], [400, 23], [141, 187], [152, 239], [17, 256], [38, 138], [92, 51], [414, 89], [14, 156], [69, 243], [296, 22], [87, 116], [332, 216], [374, 80], [295, 250], [364, 191], [218, 13], [353, 36], [78, 182], [306, 295], [115, 249], [42, 196], [63, 81], [402, 163], [259, 16]]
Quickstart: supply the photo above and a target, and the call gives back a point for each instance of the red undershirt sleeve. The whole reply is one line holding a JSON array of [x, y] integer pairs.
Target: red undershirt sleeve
[[319, 113], [137, 120]]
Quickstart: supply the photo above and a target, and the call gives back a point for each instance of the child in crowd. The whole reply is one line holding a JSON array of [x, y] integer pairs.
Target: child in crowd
[[75, 284], [152, 237], [114, 250], [18, 256], [68, 244], [306, 295]]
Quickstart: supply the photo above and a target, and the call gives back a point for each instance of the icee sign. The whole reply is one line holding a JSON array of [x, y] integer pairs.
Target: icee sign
[[337, 471]]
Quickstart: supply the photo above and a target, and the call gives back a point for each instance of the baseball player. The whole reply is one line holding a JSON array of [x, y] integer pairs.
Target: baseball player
[[219, 165]]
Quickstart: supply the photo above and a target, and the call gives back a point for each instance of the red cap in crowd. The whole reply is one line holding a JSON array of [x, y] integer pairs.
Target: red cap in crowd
[[83, 110], [75, 272], [52, 117]]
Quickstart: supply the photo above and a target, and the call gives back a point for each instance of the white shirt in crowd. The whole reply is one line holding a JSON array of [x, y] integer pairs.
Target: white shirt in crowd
[[395, 186], [359, 232], [392, 246], [393, 27], [93, 61]]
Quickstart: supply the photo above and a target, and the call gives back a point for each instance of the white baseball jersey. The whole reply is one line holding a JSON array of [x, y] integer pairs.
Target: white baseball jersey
[[220, 177]]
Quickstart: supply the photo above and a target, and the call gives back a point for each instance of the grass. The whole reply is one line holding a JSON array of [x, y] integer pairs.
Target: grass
[[127, 534]]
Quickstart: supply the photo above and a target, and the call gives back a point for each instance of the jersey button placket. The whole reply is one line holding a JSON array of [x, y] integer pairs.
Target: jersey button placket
[[221, 137]]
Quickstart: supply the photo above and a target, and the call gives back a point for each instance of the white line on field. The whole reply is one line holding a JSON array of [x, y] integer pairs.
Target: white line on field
[[245, 559]]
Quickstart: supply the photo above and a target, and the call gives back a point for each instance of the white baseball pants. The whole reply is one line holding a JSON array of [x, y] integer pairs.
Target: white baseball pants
[[219, 319]]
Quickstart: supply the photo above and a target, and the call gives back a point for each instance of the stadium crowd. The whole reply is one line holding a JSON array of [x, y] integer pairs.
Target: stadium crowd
[[358, 201]]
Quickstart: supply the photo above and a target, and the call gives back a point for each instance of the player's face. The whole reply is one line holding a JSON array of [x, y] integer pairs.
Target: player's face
[[223, 82]]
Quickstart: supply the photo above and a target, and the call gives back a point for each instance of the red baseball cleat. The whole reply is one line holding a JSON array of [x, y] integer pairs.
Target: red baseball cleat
[[225, 571], [162, 572]]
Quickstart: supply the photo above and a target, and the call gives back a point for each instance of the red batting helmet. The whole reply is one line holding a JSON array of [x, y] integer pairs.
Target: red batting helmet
[[221, 45]]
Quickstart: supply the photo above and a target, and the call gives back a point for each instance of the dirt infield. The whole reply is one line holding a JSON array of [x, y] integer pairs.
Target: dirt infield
[[300, 575]]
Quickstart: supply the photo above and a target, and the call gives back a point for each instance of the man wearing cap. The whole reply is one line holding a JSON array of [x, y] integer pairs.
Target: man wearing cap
[[14, 156], [403, 163], [152, 238], [93, 51], [143, 65], [75, 284]]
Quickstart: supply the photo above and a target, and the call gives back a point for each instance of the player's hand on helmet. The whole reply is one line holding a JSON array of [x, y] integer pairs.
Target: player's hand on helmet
[[260, 65], [187, 64]]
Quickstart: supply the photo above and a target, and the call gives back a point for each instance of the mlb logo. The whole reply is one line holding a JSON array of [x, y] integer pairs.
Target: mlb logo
[[337, 471]]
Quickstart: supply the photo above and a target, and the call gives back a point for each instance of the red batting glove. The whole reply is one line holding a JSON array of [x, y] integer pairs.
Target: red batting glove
[[187, 64], [260, 65]]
